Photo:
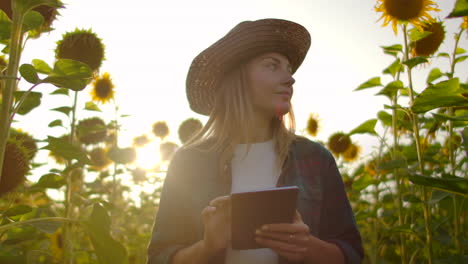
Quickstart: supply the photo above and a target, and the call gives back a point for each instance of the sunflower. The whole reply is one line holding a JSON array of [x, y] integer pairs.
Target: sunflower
[[103, 89], [160, 129], [26, 140], [188, 129], [464, 24], [15, 166], [122, 155], [91, 131], [339, 143], [431, 43], [49, 14], [312, 125], [413, 11], [140, 141], [99, 159], [167, 150], [56, 245], [81, 45], [138, 175], [352, 153]]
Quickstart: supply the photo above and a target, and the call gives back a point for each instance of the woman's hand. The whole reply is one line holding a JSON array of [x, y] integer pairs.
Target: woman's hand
[[288, 240], [217, 222]]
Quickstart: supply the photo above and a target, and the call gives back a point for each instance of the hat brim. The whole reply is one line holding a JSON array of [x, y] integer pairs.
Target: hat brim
[[245, 41]]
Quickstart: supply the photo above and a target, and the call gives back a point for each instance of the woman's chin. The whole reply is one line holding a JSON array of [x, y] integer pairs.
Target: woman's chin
[[282, 109]]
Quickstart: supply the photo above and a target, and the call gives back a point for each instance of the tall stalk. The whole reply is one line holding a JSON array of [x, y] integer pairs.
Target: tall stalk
[[68, 245], [414, 120], [451, 112], [10, 83], [399, 185]]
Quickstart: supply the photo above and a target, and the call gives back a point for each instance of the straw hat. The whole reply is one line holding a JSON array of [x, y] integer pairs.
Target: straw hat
[[245, 41]]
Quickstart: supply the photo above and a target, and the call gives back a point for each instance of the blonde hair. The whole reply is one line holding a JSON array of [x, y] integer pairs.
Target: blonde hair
[[231, 121]]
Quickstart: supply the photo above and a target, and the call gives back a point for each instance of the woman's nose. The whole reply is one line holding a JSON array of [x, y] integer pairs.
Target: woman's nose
[[289, 81]]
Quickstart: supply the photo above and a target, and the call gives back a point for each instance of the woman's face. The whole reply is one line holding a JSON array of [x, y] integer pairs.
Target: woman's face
[[270, 80]]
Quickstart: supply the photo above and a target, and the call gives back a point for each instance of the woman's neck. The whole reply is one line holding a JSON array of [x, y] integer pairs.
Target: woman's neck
[[262, 131]]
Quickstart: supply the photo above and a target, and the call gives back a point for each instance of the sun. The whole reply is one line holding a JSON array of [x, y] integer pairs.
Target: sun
[[148, 156]]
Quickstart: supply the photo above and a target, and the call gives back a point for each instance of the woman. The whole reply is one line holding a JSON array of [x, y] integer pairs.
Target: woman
[[244, 83]]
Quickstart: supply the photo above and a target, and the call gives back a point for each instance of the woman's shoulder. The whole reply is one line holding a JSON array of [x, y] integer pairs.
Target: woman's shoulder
[[304, 147]]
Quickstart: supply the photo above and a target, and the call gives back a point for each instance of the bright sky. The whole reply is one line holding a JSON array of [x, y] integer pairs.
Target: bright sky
[[150, 45]]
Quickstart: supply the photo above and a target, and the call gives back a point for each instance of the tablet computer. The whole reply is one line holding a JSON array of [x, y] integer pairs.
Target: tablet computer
[[250, 210]]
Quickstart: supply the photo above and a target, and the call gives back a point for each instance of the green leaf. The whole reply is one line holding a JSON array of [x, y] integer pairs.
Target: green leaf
[[385, 118], [28, 72], [18, 210], [363, 182], [41, 66], [368, 127], [108, 250], [5, 29], [56, 122], [391, 89], [453, 184], [459, 51], [32, 20], [369, 84], [394, 68], [443, 54], [465, 137], [415, 34], [461, 59], [393, 164], [442, 117], [393, 48], [66, 150], [91, 106], [64, 109], [62, 91], [460, 9], [442, 94], [411, 198], [434, 75], [48, 227], [70, 74], [437, 196], [411, 63], [32, 100], [50, 180]]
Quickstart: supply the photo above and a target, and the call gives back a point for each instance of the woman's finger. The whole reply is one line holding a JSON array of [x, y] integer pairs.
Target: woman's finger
[[301, 239], [286, 228], [220, 201], [277, 245]]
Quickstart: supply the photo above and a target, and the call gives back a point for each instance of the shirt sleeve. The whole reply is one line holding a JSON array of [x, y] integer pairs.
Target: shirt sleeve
[[337, 224], [171, 229]]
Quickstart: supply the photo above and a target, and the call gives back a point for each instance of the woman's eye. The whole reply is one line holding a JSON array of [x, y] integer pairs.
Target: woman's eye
[[272, 66]]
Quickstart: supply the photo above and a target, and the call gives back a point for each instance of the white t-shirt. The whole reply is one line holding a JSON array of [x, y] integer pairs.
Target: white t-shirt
[[256, 170]]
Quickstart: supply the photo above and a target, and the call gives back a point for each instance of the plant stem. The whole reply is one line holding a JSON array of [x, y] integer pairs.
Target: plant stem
[[68, 193], [414, 120], [11, 82], [37, 220], [451, 112]]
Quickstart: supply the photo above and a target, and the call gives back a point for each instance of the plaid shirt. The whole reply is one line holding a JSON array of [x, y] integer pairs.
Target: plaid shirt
[[192, 181]]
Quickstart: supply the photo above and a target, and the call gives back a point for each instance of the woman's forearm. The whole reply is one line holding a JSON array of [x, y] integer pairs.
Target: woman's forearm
[[324, 252], [196, 253]]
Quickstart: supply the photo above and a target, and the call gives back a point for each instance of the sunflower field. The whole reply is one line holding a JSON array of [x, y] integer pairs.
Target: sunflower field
[[409, 197]]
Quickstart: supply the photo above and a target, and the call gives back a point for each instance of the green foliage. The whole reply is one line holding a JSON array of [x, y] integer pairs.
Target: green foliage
[[69, 74], [368, 127], [452, 184], [460, 9], [65, 149], [31, 101], [443, 94], [373, 82]]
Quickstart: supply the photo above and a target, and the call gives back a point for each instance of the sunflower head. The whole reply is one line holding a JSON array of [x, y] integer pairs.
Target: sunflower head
[[339, 143], [103, 89], [15, 166], [188, 129], [99, 159], [49, 14], [56, 245], [312, 125], [352, 153], [140, 141], [413, 11], [81, 45], [91, 131], [26, 140], [138, 175], [160, 129], [431, 43], [122, 155], [167, 150]]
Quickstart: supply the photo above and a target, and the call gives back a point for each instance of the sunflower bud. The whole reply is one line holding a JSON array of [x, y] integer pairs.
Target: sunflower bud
[[26, 140], [15, 166], [140, 141], [81, 45], [160, 129], [352, 153], [188, 129], [91, 131], [99, 159]]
